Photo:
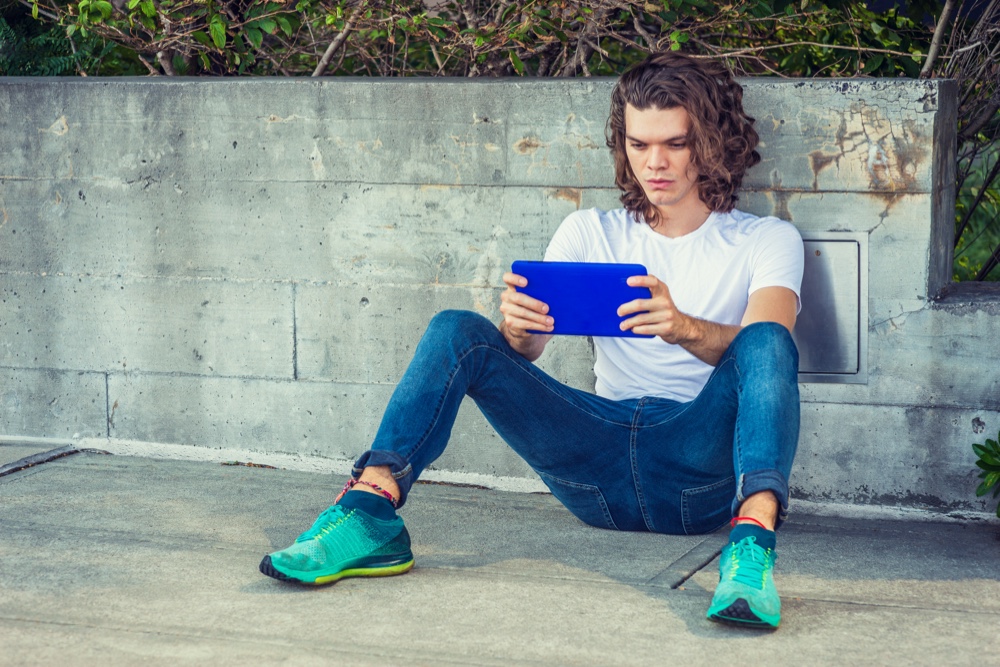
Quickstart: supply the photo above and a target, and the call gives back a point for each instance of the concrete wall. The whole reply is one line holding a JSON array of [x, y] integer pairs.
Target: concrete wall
[[249, 263]]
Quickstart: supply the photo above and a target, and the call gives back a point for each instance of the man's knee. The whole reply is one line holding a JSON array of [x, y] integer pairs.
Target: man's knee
[[459, 325], [767, 343]]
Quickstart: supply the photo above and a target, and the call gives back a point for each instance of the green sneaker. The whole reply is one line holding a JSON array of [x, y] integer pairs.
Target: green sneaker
[[746, 594], [343, 543]]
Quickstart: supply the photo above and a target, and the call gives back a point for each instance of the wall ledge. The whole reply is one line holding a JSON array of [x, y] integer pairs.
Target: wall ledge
[[960, 298]]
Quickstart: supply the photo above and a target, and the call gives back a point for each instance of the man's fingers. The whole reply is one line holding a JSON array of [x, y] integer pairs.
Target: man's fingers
[[522, 300], [635, 306], [656, 286], [514, 280]]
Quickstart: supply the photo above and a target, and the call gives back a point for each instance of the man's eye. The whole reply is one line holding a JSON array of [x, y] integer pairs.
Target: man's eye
[[679, 146], [638, 146]]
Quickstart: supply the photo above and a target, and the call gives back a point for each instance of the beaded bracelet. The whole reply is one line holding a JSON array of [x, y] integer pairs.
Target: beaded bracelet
[[351, 483]]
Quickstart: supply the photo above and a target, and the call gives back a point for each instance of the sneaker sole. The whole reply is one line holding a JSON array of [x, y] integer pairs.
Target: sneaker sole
[[267, 568], [739, 613]]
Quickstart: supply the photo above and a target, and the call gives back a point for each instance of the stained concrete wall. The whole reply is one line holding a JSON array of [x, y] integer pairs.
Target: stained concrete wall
[[249, 263]]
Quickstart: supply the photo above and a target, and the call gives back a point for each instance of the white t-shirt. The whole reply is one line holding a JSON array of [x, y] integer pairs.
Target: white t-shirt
[[710, 273]]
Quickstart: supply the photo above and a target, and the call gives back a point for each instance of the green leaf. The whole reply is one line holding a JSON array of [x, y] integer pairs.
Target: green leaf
[[873, 63], [255, 37], [992, 479], [268, 25], [218, 30], [104, 7], [909, 66], [202, 37], [34, 10], [148, 8], [516, 62], [132, 4]]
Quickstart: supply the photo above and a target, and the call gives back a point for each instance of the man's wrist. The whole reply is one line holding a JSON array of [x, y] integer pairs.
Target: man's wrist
[[693, 330]]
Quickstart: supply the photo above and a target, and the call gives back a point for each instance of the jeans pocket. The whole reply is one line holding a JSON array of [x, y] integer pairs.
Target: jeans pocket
[[585, 501], [707, 508]]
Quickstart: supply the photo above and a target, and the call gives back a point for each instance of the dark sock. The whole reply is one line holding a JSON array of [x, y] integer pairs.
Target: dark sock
[[369, 503], [765, 538]]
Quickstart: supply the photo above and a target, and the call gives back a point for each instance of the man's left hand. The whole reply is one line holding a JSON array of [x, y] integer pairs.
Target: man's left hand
[[661, 317]]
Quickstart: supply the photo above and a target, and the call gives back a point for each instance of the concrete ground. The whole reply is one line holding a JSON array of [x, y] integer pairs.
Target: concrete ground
[[113, 560]]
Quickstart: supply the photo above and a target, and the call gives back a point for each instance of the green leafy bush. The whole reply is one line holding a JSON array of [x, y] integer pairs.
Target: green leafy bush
[[29, 47], [989, 464]]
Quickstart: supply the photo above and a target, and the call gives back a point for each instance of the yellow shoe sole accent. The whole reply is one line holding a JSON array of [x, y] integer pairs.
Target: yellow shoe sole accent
[[402, 568]]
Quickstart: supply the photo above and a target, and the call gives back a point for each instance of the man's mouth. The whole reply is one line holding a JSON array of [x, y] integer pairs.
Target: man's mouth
[[659, 183]]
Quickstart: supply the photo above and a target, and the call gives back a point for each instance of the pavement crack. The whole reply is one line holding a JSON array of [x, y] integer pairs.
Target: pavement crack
[[38, 459]]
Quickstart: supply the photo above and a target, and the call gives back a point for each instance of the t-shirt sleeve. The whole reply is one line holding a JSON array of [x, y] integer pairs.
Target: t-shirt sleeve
[[569, 244], [778, 259]]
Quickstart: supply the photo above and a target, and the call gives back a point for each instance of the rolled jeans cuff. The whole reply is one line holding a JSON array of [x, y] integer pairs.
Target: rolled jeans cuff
[[400, 469], [763, 480]]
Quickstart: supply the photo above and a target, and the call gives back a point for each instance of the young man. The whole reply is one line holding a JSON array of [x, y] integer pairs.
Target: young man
[[689, 430]]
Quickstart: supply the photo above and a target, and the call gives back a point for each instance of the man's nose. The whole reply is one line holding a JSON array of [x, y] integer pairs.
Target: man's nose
[[658, 157]]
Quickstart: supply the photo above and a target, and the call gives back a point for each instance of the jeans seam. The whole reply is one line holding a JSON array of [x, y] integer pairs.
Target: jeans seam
[[687, 405], [737, 442], [598, 494], [451, 378], [633, 454], [687, 493]]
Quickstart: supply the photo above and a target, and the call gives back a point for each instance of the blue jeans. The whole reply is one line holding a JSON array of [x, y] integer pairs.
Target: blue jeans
[[648, 463]]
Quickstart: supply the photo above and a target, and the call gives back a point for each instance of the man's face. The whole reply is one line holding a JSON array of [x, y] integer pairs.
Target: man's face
[[657, 149]]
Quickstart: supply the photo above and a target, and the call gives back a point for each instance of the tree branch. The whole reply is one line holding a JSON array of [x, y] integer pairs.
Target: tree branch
[[932, 53], [166, 62], [990, 264], [152, 70], [994, 172], [336, 44], [974, 126]]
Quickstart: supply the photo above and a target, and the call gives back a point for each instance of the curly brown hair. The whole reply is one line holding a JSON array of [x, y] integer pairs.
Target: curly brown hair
[[721, 136]]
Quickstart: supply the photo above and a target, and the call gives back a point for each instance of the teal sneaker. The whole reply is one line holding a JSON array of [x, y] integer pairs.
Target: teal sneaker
[[746, 594], [343, 543]]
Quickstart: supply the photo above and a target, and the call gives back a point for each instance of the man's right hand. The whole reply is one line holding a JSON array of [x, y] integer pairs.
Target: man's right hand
[[521, 313]]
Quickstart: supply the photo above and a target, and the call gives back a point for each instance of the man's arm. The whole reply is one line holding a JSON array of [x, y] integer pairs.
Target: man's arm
[[706, 340], [520, 313]]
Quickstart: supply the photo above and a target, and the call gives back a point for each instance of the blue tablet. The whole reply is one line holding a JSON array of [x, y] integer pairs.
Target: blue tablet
[[583, 297]]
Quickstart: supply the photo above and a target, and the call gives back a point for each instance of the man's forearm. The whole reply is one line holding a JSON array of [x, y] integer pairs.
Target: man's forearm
[[707, 340]]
